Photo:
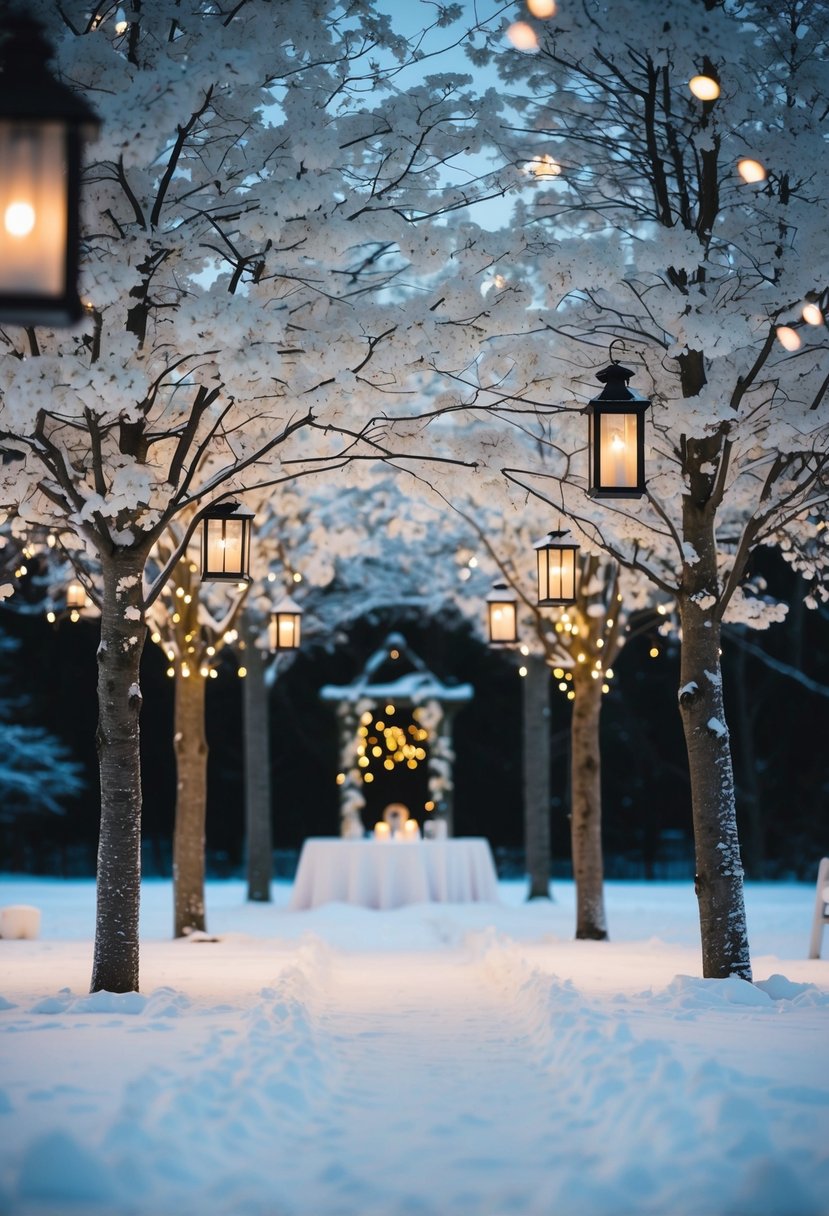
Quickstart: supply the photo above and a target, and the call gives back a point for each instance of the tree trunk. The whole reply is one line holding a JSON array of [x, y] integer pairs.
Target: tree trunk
[[258, 834], [191, 804], [115, 961], [536, 739], [586, 811], [749, 792], [719, 877]]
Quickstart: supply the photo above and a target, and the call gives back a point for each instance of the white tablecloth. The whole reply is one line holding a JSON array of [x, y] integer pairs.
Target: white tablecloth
[[388, 874]]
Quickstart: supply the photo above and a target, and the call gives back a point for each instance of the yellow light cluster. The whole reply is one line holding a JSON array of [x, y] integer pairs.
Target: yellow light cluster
[[388, 742]]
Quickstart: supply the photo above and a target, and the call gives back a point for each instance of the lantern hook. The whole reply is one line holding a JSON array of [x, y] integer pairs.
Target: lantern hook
[[610, 351]]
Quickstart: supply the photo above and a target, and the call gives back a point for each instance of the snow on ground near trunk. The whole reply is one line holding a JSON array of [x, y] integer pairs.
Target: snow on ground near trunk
[[436, 1060]]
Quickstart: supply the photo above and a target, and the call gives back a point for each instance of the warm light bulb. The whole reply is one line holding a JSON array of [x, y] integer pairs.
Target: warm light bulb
[[543, 166], [654, 652], [788, 338], [522, 671], [751, 170], [617, 442], [19, 218], [242, 672], [705, 88], [522, 36], [812, 315], [542, 8]]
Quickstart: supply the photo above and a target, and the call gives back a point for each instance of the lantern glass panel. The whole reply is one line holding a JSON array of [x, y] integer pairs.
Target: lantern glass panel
[[75, 596], [226, 552], [34, 208], [285, 630], [502, 621], [557, 574], [618, 453]]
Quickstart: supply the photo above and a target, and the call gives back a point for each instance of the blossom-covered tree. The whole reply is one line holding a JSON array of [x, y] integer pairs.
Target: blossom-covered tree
[[262, 273], [686, 221]]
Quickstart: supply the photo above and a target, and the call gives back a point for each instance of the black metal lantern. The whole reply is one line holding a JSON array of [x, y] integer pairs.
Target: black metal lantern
[[225, 553], [502, 615], [285, 627], [42, 126], [617, 437], [556, 570]]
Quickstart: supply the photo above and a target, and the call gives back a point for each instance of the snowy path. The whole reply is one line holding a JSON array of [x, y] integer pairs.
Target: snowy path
[[439, 1096], [414, 1064]]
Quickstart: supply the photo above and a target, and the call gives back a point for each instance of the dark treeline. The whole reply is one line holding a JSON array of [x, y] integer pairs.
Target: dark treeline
[[781, 763]]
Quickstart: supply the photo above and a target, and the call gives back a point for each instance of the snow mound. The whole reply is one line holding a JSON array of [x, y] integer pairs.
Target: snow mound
[[686, 992], [781, 989], [163, 1002]]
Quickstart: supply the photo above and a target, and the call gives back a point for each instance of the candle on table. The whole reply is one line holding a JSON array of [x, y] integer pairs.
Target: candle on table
[[382, 831]]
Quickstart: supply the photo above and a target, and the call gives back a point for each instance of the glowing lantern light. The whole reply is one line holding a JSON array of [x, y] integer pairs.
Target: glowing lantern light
[[226, 543], [42, 127], [522, 36], [542, 8], [788, 338], [616, 440], [543, 166], [285, 628], [812, 315], [502, 615], [704, 88], [556, 570], [75, 596], [751, 170]]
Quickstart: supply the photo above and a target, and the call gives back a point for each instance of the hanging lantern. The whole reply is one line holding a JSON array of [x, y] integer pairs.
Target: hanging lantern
[[502, 615], [225, 554], [75, 596], [285, 627], [556, 570], [616, 443], [42, 126]]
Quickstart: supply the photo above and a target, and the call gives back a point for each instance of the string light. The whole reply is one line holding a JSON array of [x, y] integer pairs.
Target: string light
[[788, 338], [522, 671], [704, 88], [542, 8], [751, 171], [812, 315], [522, 36]]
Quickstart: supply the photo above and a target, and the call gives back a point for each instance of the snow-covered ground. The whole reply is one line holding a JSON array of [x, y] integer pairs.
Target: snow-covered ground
[[437, 1060]]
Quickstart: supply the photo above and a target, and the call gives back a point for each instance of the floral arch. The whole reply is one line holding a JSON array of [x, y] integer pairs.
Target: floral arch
[[394, 676]]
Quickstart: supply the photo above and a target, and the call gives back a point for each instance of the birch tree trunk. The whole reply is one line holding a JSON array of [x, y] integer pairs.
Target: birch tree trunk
[[115, 957], [536, 741], [719, 876], [586, 806], [258, 833], [191, 804]]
